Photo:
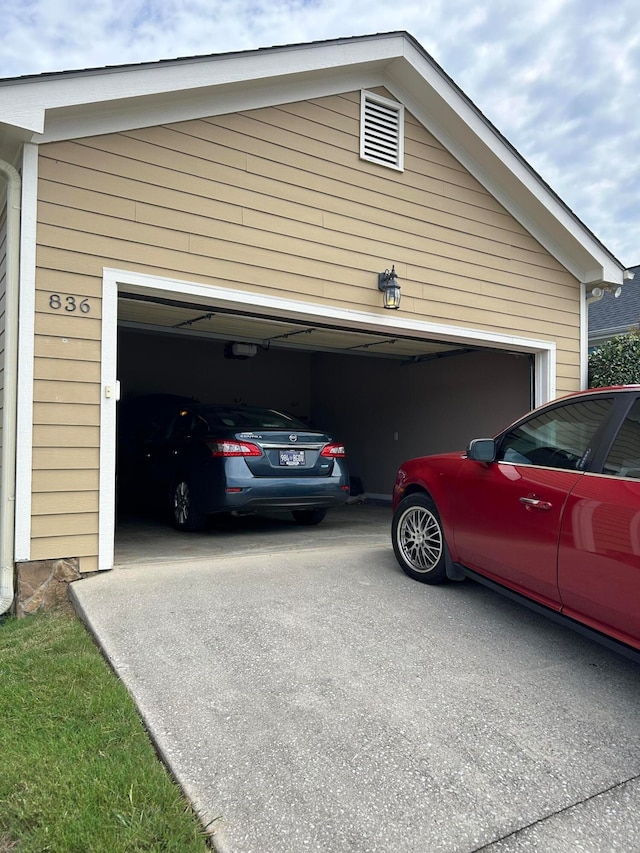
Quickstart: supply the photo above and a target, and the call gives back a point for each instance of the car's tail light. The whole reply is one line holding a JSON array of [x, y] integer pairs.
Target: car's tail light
[[225, 447], [334, 451]]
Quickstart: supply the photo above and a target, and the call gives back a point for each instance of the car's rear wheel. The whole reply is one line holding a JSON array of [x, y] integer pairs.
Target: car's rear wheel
[[418, 539], [185, 513], [309, 516]]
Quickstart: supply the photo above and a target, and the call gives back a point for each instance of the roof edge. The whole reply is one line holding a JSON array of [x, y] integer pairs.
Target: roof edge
[[464, 128]]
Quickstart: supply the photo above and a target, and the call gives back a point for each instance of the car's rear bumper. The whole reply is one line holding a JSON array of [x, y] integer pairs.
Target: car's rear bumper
[[252, 503], [288, 495], [279, 495], [230, 486]]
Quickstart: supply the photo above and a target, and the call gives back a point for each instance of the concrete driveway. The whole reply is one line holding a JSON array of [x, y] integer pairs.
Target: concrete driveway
[[311, 697]]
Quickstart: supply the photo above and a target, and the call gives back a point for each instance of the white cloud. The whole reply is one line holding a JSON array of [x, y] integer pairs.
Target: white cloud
[[559, 78]]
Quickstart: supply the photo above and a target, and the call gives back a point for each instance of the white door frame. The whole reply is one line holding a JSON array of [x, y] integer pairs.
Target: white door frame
[[114, 280]]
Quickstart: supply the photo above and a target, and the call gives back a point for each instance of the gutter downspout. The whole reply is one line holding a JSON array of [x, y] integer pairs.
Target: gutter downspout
[[587, 298], [9, 410]]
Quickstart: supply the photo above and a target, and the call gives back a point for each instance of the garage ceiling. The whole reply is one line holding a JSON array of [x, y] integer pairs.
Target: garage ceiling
[[173, 317]]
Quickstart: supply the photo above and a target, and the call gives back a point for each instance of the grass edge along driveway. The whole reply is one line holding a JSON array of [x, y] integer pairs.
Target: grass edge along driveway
[[78, 771]]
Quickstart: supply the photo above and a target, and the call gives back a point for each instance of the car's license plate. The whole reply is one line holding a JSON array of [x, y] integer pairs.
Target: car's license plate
[[292, 458]]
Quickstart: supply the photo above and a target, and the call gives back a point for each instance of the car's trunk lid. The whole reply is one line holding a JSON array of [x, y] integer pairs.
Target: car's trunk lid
[[291, 453]]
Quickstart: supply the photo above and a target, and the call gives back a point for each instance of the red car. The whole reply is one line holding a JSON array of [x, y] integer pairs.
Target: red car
[[548, 510]]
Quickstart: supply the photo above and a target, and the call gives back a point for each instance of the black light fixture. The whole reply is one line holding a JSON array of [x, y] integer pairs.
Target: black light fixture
[[388, 284]]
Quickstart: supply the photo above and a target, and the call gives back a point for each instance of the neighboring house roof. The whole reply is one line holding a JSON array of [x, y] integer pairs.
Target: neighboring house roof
[[611, 316], [73, 104]]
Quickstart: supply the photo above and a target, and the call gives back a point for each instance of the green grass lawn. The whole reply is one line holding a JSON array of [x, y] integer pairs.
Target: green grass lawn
[[78, 771]]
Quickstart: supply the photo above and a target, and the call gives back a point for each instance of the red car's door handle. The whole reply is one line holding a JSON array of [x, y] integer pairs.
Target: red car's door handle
[[535, 503]]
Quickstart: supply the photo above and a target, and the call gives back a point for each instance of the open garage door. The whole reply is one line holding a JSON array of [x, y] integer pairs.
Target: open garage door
[[388, 397], [389, 386]]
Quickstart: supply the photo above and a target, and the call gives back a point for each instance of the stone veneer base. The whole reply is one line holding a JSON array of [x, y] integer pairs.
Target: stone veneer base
[[44, 584]]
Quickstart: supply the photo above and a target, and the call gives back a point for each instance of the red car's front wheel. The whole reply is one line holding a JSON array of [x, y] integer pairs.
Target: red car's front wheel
[[418, 540]]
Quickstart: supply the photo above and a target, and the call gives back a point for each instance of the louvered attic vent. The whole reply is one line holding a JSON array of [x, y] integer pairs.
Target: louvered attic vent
[[381, 131]]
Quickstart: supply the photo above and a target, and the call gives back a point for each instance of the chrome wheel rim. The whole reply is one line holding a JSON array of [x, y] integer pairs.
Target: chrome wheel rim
[[181, 502], [420, 539]]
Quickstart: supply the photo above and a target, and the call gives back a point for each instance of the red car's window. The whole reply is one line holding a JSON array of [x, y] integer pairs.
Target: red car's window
[[557, 438], [624, 457]]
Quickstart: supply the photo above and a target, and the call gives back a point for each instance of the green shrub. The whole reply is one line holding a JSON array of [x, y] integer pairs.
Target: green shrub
[[616, 362]]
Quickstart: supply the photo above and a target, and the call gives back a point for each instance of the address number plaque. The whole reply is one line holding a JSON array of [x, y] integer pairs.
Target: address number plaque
[[70, 304]]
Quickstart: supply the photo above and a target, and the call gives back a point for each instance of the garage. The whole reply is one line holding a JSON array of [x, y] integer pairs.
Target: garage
[[387, 397], [157, 219]]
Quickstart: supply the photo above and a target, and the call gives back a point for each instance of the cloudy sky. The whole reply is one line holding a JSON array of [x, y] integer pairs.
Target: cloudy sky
[[559, 78]]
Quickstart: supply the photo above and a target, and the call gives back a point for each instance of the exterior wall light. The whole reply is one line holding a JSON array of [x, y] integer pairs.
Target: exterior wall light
[[598, 292], [388, 284]]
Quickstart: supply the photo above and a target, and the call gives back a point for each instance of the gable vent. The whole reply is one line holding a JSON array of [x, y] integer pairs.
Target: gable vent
[[381, 131]]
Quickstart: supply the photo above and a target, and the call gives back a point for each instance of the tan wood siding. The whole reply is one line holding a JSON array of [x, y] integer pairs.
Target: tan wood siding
[[62, 482], [64, 458], [74, 545], [64, 526], [64, 413], [74, 502], [56, 436], [66, 433], [88, 564], [273, 201], [53, 391]]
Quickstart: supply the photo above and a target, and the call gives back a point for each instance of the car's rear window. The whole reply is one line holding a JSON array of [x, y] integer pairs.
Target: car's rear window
[[241, 418]]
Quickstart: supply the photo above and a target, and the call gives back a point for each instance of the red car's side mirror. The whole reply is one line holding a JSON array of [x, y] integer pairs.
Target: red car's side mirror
[[482, 450]]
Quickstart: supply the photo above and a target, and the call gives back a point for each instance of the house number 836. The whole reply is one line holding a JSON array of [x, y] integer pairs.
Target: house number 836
[[71, 304]]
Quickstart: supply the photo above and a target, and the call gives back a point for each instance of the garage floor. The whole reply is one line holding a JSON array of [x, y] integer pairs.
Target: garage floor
[[148, 540]]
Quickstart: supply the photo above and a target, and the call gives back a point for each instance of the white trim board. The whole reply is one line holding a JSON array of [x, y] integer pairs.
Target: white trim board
[[26, 342], [108, 400], [117, 86], [131, 282]]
